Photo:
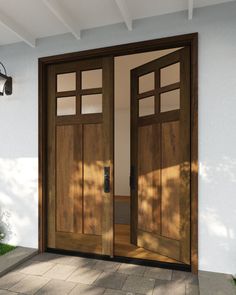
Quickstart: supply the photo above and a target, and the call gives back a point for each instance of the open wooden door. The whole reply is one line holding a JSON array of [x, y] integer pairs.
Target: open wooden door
[[80, 156], [160, 155]]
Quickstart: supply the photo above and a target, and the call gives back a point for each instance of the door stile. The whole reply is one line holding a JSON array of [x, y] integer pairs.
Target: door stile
[[51, 190], [134, 158], [185, 180], [108, 130]]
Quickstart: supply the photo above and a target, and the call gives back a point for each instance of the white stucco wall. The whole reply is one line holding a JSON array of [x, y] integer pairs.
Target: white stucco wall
[[217, 123]]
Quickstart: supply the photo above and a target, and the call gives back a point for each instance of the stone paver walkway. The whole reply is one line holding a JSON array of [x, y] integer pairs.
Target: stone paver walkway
[[56, 274]]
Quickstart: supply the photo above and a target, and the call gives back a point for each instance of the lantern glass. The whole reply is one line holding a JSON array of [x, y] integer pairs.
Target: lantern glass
[[3, 80]]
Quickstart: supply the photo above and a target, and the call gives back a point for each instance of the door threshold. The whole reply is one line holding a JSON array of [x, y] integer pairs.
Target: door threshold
[[122, 259]]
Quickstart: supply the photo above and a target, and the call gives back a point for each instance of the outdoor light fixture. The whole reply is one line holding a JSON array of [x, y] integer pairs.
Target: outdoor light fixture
[[5, 82]]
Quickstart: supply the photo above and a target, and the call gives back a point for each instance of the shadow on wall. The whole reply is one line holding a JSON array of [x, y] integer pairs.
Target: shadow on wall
[[217, 223], [18, 200]]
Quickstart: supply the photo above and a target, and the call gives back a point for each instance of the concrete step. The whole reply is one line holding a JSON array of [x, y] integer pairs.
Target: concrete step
[[15, 257], [212, 283]]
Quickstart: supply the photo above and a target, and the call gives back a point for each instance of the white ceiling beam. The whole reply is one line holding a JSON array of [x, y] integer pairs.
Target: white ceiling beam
[[68, 21], [190, 9], [122, 5], [15, 28]]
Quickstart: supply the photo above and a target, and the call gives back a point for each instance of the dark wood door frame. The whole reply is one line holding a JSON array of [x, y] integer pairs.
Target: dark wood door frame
[[190, 40]]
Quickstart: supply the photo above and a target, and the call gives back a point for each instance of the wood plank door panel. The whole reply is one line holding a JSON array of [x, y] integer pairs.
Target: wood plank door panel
[[79, 146], [68, 179], [160, 155], [93, 178]]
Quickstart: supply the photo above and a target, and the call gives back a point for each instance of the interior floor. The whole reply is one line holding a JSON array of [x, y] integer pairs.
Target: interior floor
[[123, 247]]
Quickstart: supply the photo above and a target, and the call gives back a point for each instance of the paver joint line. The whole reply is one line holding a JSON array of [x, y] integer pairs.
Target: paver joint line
[[57, 274]]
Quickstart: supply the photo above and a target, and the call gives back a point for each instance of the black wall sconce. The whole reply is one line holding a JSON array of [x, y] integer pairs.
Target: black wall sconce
[[5, 82]]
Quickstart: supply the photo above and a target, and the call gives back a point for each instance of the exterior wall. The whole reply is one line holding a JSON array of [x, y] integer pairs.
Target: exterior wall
[[217, 137]]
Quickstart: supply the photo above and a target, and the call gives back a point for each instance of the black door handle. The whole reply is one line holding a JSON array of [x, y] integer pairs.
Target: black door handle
[[106, 179]]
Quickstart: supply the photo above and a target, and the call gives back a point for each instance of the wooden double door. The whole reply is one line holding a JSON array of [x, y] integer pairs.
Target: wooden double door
[[80, 149]]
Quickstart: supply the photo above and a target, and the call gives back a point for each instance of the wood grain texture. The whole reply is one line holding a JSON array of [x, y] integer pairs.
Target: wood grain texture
[[159, 244], [194, 154], [42, 177], [122, 198], [124, 49], [185, 157], [108, 135], [149, 194], [170, 182], [123, 247], [69, 179], [134, 157], [93, 164], [81, 242], [78, 178], [51, 175], [64, 182]]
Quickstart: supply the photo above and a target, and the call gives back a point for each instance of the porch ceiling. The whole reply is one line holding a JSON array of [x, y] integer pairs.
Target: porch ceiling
[[28, 20]]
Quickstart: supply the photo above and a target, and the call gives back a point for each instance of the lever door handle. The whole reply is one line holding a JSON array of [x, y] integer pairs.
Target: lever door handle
[[106, 179]]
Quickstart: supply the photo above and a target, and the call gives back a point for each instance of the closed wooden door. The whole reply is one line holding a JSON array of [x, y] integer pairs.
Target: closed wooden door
[[79, 147], [160, 155]]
